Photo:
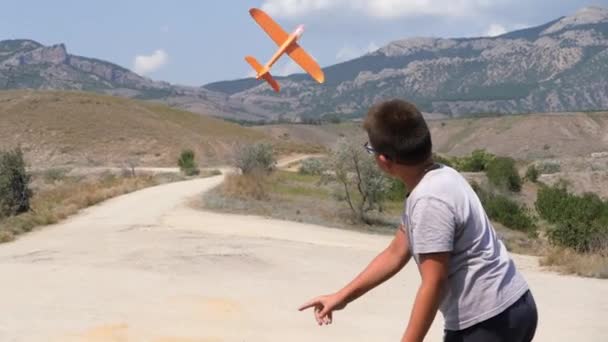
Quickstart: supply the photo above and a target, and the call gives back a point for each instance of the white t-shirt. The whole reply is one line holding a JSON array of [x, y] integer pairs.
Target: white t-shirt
[[444, 214]]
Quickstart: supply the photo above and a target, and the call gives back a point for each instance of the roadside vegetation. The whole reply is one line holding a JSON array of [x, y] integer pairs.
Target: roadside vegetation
[[346, 190], [32, 199], [187, 163]]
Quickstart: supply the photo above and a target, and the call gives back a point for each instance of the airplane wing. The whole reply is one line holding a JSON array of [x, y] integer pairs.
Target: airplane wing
[[297, 53], [270, 26]]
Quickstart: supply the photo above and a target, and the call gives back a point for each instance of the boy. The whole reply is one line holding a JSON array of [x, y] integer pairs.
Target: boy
[[466, 271]]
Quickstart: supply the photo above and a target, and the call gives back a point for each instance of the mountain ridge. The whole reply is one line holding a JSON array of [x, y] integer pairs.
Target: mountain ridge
[[467, 75], [553, 67]]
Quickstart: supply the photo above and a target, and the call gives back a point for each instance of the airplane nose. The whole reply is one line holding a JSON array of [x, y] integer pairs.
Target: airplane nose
[[300, 31]]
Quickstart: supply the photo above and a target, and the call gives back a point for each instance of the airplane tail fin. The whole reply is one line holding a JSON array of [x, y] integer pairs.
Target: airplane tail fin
[[263, 73]]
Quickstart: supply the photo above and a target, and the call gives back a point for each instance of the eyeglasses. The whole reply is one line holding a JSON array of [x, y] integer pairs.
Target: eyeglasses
[[371, 150], [368, 147]]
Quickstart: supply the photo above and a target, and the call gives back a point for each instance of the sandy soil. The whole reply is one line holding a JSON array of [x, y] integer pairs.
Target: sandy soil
[[146, 267]]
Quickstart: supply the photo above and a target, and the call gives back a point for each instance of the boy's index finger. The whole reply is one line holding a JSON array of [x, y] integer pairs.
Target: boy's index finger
[[309, 304]]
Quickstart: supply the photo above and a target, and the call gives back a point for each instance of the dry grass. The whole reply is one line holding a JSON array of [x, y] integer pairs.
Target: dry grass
[[56, 200], [520, 242], [290, 196], [244, 187], [569, 262]]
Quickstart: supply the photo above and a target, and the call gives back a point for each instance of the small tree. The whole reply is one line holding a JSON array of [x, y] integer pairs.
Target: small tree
[[502, 172], [131, 164], [15, 193], [255, 158], [187, 163], [362, 183], [532, 174]]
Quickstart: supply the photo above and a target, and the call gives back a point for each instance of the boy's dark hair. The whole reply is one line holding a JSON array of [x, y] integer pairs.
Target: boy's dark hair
[[397, 130]]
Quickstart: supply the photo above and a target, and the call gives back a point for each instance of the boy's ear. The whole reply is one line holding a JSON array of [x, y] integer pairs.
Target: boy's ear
[[386, 162]]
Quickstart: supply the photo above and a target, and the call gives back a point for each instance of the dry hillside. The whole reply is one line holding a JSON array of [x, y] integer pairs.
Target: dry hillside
[[530, 137], [536, 136], [68, 128]]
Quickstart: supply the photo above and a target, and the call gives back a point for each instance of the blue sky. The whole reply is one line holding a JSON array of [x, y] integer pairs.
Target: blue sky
[[196, 42]]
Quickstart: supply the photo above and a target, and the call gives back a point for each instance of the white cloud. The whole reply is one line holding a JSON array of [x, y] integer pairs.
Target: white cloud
[[294, 8], [348, 52], [287, 69], [251, 73], [147, 64], [372, 46], [378, 8], [495, 30]]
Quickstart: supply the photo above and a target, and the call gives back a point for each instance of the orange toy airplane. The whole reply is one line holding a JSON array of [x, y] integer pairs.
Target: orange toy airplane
[[287, 44]]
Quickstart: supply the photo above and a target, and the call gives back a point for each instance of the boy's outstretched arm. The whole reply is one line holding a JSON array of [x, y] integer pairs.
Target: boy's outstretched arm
[[434, 272], [382, 268]]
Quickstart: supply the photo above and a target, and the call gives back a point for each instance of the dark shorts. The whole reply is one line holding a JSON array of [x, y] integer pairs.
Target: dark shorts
[[516, 324]]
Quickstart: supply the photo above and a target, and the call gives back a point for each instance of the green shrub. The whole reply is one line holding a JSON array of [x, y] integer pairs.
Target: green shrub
[[506, 211], [478, 161], [532, 174], [312, 166], [579, 222], [502, 173], [256, 157], [15, 193], [396, 190], [187, 163]]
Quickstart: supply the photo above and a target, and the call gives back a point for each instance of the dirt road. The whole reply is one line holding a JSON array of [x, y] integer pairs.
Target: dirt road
[[145, 267]]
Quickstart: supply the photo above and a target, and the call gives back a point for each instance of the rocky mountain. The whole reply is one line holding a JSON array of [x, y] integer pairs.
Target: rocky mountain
[[559, 66], [26, 64]]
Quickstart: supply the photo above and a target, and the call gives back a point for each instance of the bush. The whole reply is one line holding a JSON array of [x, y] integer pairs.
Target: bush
[[502, 173], [15, 193], [506, 211], [532, 174], [256, 157], [396, 190], [312, 166], [580, 222], [477, 162], [187, 163]]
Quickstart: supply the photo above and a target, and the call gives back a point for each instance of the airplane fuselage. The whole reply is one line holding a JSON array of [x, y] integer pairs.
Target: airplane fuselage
[[293, 38]]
